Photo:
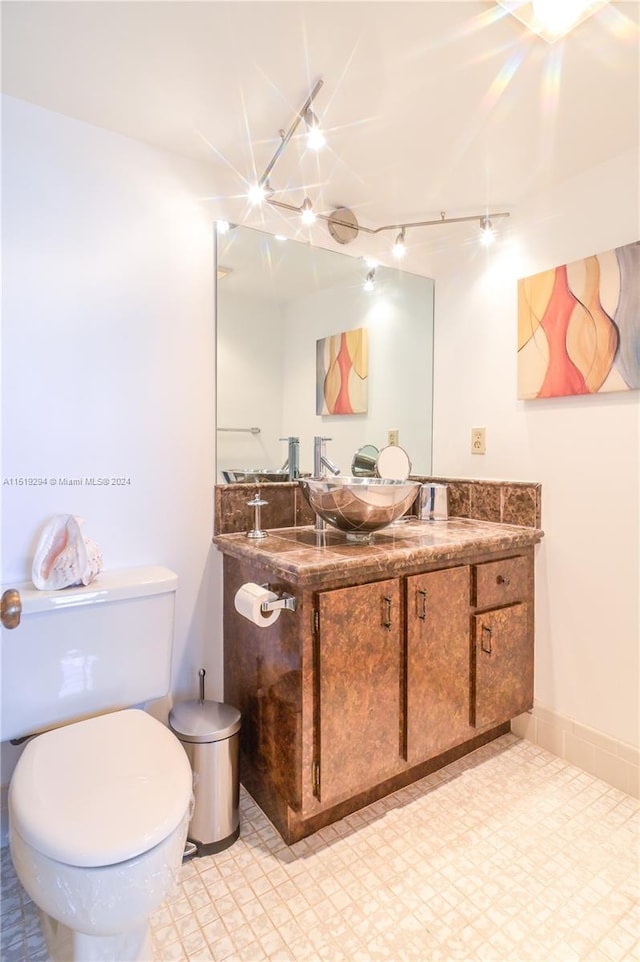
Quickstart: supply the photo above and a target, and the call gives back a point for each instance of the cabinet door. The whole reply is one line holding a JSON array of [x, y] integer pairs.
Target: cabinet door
[[358, 667], [503, 665], [437, 662]]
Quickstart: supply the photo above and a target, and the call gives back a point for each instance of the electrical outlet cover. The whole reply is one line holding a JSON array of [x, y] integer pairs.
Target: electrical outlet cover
[[478, 441]]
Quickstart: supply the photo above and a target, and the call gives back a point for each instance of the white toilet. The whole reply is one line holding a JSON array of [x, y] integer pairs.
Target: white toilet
[[98, 808]]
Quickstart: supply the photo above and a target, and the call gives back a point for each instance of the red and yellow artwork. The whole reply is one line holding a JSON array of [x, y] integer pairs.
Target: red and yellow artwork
[[341, 373], [579, 326]]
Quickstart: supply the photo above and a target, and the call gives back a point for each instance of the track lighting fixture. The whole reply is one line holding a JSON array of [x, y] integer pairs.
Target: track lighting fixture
[[342, 222]]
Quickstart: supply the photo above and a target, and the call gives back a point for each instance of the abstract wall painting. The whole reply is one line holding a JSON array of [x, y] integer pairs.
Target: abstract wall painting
[[341, 373], [579, 327]]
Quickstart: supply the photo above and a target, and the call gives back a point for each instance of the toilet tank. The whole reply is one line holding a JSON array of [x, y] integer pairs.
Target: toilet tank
[[87, 650]]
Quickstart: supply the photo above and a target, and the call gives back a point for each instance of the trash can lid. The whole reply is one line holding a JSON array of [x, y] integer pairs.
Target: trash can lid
[[204, 721]]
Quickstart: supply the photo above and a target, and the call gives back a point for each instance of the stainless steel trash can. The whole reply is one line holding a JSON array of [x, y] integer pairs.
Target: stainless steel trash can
[[210, 734]]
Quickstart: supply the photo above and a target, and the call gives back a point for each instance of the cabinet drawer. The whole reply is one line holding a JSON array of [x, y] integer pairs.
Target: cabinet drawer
[[499, 583]]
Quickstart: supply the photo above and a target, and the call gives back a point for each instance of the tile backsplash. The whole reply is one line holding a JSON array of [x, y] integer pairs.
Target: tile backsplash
[[507, 502]]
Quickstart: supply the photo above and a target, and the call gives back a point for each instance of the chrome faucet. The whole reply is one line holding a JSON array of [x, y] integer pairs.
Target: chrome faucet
[[293, 458], [320, 459]]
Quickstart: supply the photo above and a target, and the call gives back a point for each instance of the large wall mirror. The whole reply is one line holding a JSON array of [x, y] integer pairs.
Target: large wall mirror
[[276, 299]]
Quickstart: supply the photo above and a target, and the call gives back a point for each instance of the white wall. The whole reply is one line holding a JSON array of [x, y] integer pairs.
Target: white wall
[[108, 359], [584, 450]]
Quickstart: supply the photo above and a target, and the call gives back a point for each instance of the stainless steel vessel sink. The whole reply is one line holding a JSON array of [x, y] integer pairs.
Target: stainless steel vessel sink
[[359, 504]]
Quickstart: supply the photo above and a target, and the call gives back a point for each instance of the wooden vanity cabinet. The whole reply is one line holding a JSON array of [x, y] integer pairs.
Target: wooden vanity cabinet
[[370, 685]]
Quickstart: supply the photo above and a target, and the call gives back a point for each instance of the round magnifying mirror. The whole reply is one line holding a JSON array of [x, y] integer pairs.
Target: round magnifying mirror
[[393, 463], [364, 462]]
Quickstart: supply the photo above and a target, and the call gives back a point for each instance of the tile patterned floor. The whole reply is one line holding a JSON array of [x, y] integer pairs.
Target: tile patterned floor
[[509, 854]]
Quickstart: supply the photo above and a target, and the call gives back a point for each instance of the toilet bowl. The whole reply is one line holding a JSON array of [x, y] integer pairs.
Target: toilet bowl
[[99, 811]]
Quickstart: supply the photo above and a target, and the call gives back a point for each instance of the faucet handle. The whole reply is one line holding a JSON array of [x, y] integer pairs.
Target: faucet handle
[[256, 503], [290, 439]]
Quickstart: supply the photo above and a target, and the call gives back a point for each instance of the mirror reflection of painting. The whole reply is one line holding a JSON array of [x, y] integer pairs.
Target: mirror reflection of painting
[[342, 373]]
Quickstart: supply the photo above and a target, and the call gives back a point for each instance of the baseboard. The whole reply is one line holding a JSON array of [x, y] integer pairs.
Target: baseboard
[[613, 761]]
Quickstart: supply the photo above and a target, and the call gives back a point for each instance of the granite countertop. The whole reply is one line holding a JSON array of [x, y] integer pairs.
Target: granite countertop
[[302, 555]]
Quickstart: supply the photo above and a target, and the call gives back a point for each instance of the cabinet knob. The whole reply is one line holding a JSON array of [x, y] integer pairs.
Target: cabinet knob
[[502, 580]]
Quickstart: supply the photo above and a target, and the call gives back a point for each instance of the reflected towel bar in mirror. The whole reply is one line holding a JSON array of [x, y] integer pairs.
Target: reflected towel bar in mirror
[[241, 430]]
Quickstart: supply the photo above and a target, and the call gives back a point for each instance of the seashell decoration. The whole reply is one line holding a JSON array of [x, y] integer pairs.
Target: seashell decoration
[[64, 556]]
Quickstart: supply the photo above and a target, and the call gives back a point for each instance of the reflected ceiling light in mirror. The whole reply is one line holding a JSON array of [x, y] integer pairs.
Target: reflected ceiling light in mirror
[[552, 19], [370, 280], [342, 222], [399, 249], [223, 226]]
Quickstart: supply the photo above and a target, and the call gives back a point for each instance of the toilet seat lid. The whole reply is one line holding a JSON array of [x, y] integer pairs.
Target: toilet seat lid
[[101, 791]]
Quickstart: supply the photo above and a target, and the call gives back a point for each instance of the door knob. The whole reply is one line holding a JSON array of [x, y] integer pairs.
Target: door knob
[[10, 608]]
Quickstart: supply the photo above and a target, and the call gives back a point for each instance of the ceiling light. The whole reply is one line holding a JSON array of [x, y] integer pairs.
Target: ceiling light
[[257, 194], [223, 226], [315, 137], [307, 212], [342, 223], [399, 249], [552, 19], [370, 280]]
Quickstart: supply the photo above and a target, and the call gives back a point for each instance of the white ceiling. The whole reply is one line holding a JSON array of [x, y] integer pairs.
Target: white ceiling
[[438, 105]]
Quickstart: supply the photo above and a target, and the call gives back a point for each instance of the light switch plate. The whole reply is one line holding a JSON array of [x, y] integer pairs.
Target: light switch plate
[[393, 436]]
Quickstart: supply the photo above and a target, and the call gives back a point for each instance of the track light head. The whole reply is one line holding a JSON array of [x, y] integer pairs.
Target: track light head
[[259, 192], [307, 212], [315, 137], [370, 280], [486, 228]]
